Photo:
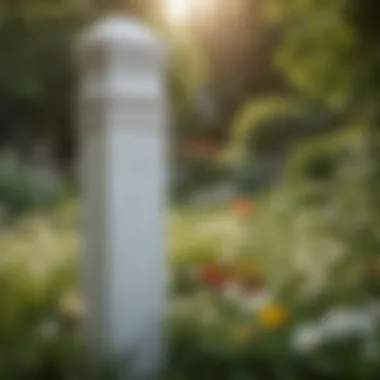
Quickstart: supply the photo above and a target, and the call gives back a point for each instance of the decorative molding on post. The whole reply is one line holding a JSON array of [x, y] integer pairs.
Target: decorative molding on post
[[123, 155]]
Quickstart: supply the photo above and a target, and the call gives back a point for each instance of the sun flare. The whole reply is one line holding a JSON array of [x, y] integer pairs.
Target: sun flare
[[178, 10]]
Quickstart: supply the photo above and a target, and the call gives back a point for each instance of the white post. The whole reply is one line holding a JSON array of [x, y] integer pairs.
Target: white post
[[122, 125]]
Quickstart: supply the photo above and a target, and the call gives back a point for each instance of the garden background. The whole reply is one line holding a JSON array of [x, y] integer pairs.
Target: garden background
[[274, 222]]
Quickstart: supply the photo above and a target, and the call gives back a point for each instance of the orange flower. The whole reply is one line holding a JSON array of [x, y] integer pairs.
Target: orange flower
[[243, 207], [213, 275], [273, 316]]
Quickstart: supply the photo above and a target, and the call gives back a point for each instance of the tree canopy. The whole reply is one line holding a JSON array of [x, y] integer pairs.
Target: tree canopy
[[332, 49], [37, 76]]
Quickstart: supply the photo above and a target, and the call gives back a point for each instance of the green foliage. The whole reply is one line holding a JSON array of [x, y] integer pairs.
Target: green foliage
[[331, 49], [304, 250], [37, 335], [319, 159], [312, 240], [199, 174], [214, 333], [273, 125], [190, 73], [24, 188], [36, 40], [306, 257]]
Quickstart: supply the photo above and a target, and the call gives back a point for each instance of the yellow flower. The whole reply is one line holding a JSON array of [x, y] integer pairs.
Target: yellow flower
[[273, 316]]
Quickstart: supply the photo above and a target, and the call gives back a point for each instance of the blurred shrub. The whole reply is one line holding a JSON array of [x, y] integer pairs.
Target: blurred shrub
[[25, 188], [315, 242], [272, 125], [310, 315], [38, 332], [254, 179], [195, 175], [290, 289], [320, 159], [244, 290]]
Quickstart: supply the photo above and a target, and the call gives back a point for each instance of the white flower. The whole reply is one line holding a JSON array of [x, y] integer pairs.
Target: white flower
[[232, 292], [342, 323], [336, 324], [307, 338], [256, 301]]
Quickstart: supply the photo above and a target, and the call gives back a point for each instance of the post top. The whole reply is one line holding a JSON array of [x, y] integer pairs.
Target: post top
[[119, 29]]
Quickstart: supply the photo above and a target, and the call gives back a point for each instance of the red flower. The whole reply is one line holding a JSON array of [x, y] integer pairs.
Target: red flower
[[213, 275]]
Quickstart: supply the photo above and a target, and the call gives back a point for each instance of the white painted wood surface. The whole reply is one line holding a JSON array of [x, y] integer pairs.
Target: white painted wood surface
[[123, 138]]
